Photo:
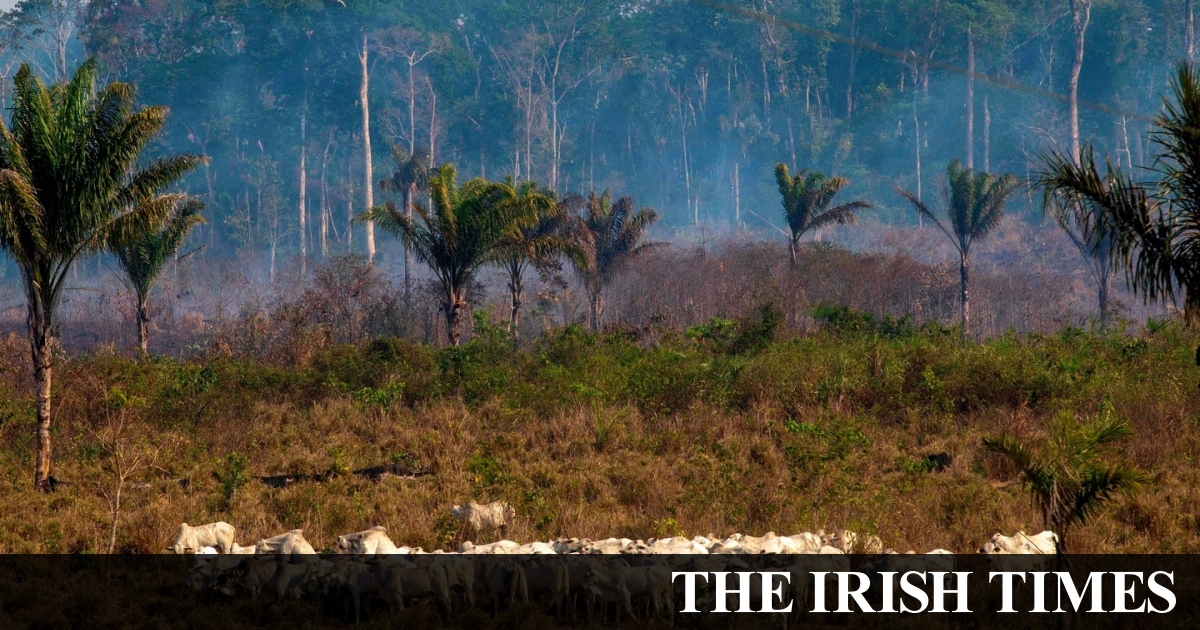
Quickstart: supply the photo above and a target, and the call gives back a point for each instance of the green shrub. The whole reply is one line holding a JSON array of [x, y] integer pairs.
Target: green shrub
[[232, 476]]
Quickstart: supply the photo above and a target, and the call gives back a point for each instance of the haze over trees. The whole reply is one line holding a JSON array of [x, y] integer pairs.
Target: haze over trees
[[682, 106]]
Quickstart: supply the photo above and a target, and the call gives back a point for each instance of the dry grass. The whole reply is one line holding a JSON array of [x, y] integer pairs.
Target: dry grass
[[604, 437]]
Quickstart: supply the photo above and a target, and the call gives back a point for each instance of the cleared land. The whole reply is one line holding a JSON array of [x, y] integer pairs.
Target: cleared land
[[727, 427]]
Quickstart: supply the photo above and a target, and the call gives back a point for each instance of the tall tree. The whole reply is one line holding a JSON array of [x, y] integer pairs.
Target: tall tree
[[364, 97], [974, 209], [537, 244], [49, 25], [1081, 16], [463, 229], [143, 258], [1157, 226], [806, 199], [1078, 197], [411, 175], [69, 184], [613, 236]]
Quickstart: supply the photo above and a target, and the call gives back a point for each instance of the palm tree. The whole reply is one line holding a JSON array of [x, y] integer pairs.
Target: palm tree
[[143, 259], [538, 243], [463, 229], [1079, 197], [974, 208], [806, 199], [69, 184], [411, 175], [1156, 226], [1074, 472], [612, 236]]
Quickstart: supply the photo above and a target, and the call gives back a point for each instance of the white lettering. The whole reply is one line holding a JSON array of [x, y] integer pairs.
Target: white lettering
[[1006, 583], [770, 591], [689, 587], [844, 592], [1161, 591]]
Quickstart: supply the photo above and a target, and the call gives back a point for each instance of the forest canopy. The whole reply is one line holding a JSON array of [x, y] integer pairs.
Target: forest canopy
[[684, 105]]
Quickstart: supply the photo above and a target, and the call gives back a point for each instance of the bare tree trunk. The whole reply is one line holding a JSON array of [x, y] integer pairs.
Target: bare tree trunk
[[41, 340], [350, 218], [407, 200], [325, 210], [116, 517], [1189, 31], [368, 174], [594, 309], [970, 100], [143, 320], [966, 296], [917, 127], [987, 136], [791, 143], [304, 188], [1102, 294], [516, 287], [853, 60], [1081, 13], [793, 246]]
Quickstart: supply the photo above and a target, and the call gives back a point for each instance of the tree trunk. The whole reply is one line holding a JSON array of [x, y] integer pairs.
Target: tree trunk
[[966, 296], [143, 320], [116, 517], [1081, 13], [970, 100], [407, 200], [1189, 35], [793, 245], [594, 309], [41, 340], [987, 135], [368, 174], [517, 288], [853, 60], [454, 307], [1102, 298], [917, 129], [304, 187]]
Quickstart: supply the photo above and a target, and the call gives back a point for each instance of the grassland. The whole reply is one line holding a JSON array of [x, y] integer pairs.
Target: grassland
[[731, 426]]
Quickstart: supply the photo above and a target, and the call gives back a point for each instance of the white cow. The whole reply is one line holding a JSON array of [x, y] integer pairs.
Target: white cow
[[292, 542], [500, 546], [192, 539], [369, 542], [490, 516], [1044, 543]]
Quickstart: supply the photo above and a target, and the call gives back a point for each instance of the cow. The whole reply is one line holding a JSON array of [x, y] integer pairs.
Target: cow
[[192, 539], [496, 515], [1045, 543], [292, 543], [369, 542]]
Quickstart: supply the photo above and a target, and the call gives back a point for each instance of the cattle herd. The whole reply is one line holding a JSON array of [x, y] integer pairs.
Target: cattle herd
[[613, 572]]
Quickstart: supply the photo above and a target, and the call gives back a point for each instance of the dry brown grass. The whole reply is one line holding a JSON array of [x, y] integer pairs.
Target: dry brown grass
[[613, 468]]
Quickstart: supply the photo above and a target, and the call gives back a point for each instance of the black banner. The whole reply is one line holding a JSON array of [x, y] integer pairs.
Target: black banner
[[687, 591]]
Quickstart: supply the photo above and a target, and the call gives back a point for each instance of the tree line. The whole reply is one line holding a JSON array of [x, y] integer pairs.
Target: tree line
[[684, 105]]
